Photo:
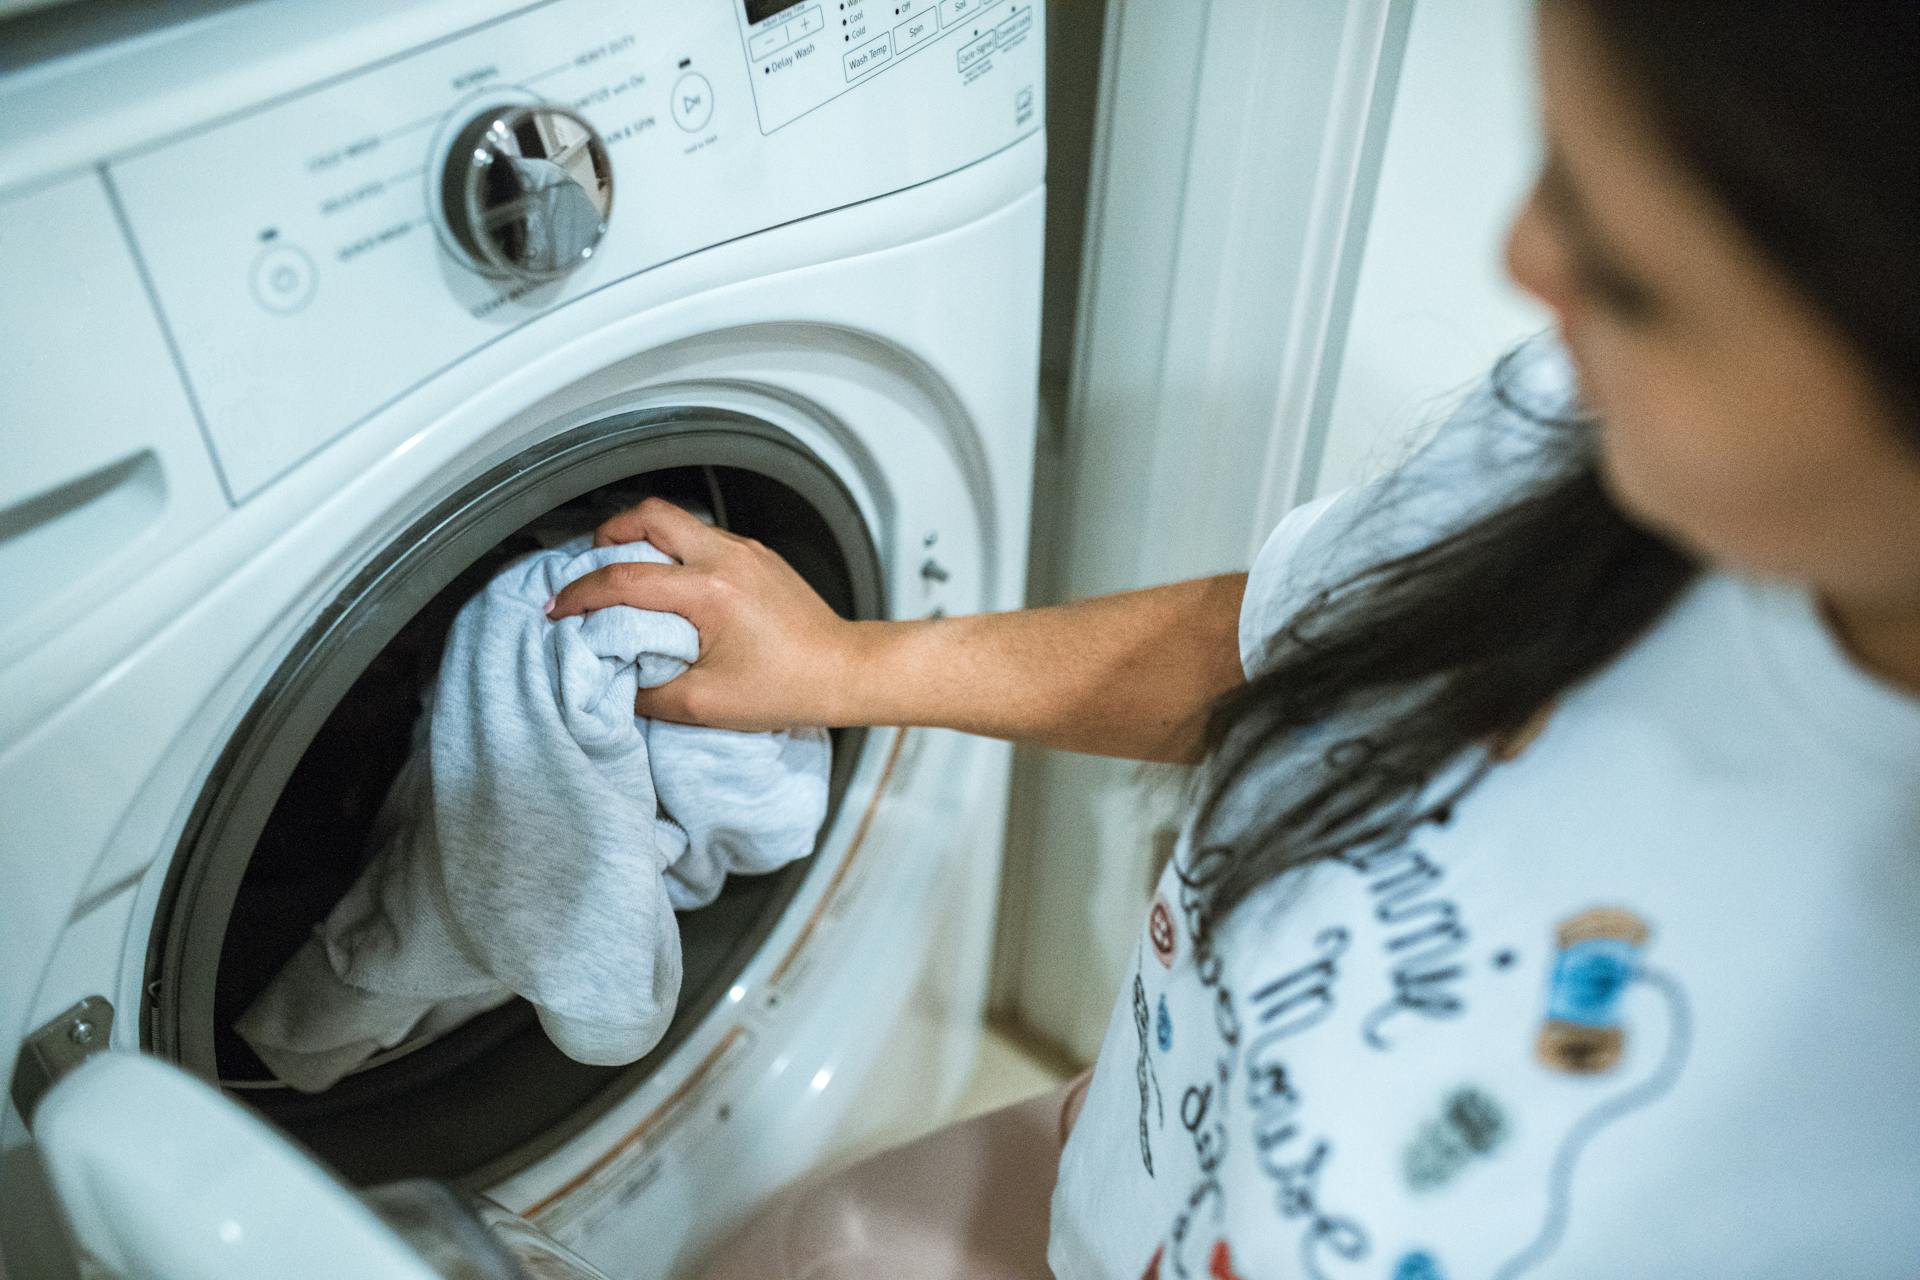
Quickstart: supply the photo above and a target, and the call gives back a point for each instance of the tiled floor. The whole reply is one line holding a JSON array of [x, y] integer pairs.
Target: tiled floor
[[1005, 1074]]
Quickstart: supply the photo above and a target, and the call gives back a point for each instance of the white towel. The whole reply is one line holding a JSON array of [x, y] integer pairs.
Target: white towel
[[540, 838]]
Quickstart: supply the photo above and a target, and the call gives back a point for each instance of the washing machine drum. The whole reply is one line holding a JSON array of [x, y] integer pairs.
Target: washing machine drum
[[280, 831]]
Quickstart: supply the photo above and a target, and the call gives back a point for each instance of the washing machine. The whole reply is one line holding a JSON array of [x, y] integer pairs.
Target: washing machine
[[313, 315]]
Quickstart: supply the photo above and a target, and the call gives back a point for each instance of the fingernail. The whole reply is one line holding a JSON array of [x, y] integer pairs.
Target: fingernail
[[551, 601]]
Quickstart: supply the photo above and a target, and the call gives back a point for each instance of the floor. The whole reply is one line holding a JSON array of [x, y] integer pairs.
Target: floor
[[1007, 1073]]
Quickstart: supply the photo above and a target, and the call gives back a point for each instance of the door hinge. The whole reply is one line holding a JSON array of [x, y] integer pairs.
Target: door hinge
[[57, 1048]]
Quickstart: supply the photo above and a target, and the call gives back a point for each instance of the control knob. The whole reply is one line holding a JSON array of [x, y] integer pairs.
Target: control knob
[[527, 190]]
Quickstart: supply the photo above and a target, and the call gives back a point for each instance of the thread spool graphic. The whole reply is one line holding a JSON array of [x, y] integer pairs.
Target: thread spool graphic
[[1599, 955]]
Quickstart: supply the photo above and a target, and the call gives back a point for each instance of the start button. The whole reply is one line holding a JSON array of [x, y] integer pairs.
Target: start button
[[692, 102]]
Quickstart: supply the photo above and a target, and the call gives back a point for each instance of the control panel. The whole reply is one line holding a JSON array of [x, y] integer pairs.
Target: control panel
[[316, 256], [808, 52]]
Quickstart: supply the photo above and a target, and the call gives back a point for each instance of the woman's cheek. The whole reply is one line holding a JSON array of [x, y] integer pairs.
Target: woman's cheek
[[1649, 462], [1673, 461]]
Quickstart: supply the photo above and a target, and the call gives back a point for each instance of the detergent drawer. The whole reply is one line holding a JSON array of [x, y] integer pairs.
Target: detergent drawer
[[106, 469]]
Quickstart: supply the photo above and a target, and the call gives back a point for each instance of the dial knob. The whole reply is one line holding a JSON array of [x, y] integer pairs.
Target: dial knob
[[527, 191]]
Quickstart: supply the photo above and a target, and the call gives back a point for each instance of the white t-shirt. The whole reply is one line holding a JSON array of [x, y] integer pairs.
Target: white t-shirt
[[1648, 1004]]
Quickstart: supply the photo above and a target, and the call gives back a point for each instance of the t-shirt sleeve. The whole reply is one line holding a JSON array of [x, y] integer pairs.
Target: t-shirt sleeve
[[1276, 585], [1483, 454]]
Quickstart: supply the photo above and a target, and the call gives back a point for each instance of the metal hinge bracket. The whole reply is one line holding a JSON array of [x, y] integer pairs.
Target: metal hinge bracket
[[57, 1048]]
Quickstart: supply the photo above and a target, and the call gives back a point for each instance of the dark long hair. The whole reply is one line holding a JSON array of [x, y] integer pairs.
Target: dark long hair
[[1389, 694]]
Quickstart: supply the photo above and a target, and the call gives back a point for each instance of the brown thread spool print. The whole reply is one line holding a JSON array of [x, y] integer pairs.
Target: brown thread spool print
[[1599, 955]]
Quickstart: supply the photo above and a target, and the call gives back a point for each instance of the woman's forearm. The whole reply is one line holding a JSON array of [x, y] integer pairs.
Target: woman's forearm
[[1127, 675]]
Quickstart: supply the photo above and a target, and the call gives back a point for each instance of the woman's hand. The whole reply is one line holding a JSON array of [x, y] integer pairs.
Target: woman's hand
[[773, 654]]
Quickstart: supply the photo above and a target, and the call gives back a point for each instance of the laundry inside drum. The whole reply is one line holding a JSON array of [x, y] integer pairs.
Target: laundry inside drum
[[493, 1092]]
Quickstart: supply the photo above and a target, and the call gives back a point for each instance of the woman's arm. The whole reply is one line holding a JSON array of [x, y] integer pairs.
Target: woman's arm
[[1127, 675]]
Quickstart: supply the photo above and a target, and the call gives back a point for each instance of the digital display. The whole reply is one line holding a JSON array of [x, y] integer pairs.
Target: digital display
[[761, 10]]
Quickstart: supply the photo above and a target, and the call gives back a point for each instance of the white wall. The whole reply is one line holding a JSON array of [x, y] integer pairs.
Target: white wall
[[1292, 249], [1432, 307]]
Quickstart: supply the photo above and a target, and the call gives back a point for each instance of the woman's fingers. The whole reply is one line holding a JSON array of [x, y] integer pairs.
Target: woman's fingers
[[674, 530], [666, 702], [669, 588], [702, 696]]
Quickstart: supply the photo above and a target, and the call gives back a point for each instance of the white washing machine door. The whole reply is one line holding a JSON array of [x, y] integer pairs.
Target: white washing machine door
[[162, 1178]]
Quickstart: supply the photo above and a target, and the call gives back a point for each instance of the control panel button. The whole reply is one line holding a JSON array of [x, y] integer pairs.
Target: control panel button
[[806, 22], [527, 191], [692, 102], [972, 52], [867, 57], [283, 279], [771, 40], [952, 11], [913, 31]]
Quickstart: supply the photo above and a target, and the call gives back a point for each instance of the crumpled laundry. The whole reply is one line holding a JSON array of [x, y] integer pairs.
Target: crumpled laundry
[[557, 216], [540, 838]]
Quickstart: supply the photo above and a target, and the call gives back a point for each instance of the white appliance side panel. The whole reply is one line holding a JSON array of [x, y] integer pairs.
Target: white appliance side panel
[[294, 246], [105, 468], [1433, 307]]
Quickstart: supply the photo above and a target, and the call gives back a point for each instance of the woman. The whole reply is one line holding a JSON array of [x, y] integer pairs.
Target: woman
[[1547, 906]]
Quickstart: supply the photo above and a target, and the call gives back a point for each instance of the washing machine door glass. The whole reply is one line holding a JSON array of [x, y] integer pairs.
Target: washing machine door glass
[[163, 1178]]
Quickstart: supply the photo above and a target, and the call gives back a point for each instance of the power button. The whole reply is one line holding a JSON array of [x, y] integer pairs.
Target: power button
[[283, 279]]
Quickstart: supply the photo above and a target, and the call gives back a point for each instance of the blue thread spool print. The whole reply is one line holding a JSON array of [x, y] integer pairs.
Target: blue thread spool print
[[1419, 1265], [1599, 955]]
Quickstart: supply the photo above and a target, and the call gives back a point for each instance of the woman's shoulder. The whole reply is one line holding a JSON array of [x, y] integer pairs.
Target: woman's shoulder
[[1506, 433]]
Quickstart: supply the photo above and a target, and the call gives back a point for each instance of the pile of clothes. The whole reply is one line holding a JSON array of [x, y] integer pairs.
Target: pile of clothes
[[540, 838]]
